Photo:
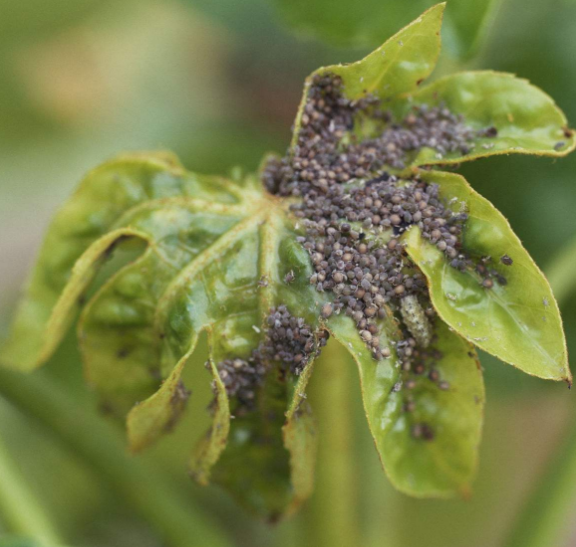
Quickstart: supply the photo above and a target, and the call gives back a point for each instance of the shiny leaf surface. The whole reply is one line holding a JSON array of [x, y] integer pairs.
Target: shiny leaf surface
[[213, 262], [527, 119], [519, 321], [441, 466]]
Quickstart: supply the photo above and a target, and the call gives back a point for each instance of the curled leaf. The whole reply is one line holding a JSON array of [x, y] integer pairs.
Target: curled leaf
[[101, 199], [426, 430]]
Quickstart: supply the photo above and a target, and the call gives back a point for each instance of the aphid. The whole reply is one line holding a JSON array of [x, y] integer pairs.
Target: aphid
[[363, 276], [416, 320], [289, 277], [506, 260], [327, 310]]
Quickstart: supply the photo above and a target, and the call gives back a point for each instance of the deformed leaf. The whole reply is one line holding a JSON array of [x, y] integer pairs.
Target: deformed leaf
[[229, 290], [335, 237], [517, 318], [199, 271], [426, 426], [104, 195]]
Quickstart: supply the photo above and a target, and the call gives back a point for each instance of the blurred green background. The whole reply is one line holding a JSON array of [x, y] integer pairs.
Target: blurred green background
[[218, 82]]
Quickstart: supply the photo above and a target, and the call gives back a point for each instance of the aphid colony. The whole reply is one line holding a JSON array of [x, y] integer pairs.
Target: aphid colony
[[288, 341], [321, 157], [353, 214]]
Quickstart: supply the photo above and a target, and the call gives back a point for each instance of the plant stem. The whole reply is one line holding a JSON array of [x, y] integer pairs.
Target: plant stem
[[545, 518], [332, 510], [542, 521], [175, 518], [21, 513]]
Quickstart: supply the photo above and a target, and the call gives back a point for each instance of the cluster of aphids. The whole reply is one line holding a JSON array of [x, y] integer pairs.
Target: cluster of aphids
[[354, 213], [320, 158], [288, 341]]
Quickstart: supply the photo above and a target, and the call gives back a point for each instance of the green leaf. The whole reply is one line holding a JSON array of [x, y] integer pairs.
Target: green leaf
[[446, 464], [518, 322], [216, 256], [398, 66], [102, 198], [527, 119], [222, 292], [364, 24]]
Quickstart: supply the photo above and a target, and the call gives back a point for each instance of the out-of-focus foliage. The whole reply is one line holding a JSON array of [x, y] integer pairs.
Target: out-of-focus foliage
[[364, 24]]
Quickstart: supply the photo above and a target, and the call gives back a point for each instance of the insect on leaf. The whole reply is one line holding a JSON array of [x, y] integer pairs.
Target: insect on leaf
[[516, 318], [345, 236]]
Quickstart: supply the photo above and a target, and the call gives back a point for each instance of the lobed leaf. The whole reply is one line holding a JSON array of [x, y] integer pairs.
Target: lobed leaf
[[527, 119], [398, 66], [216, 254], [518, 322], [222, 292], [104, 195], [446, 464]]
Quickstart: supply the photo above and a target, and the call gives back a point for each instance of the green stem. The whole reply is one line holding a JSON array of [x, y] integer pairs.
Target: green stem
[[20, 511], [543, 519], [333, 508], [176, 519]]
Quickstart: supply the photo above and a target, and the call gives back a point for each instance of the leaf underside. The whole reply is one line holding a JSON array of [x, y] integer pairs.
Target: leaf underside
[[216, 255]]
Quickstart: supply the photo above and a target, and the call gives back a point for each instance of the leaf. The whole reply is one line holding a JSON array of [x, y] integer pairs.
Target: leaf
[[398, 66], [527, 119], [505, 114], [446, 464], [97, 204], [364, 24], [220, 256], [216, 262], [221, 293], [518, 322]]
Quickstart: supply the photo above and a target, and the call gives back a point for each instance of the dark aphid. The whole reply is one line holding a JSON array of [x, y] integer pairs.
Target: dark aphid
[[241, 379], [369, 280], [506, 260], [559, 145], [289, 277]]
